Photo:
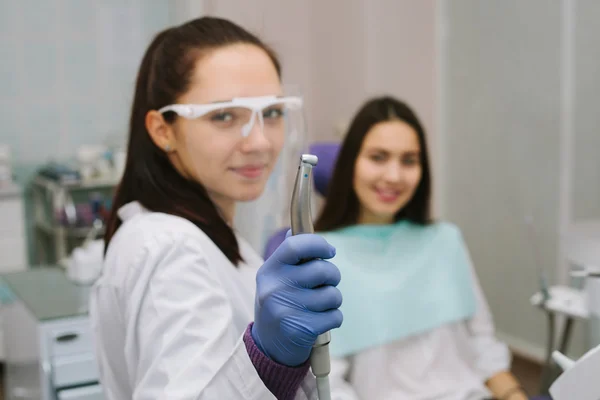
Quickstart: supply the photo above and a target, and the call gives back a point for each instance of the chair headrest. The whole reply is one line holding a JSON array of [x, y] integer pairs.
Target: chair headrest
[[327, 152]]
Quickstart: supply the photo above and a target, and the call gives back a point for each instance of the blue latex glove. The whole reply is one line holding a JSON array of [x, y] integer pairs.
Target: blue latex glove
[[295, 302]]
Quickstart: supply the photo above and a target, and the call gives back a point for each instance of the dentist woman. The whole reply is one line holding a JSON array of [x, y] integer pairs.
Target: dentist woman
[[185, 309]]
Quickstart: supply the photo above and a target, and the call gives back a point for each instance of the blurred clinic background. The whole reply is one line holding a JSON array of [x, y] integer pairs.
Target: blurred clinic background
[[508, 91]]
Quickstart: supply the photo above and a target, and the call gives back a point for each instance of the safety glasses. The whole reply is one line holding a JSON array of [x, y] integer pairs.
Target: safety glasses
[[239, 115]]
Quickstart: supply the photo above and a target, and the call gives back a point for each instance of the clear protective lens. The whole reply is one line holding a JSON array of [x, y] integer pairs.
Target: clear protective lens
[[245, 144], [241, 115], [257, 221]]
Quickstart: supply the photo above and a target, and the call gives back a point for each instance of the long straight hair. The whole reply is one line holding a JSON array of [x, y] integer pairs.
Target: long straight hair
[[342, 206], [149, 176]]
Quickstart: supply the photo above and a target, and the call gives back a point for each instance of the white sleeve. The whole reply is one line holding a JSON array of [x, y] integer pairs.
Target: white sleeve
[[180, 328], [341, 389], [491, 355]]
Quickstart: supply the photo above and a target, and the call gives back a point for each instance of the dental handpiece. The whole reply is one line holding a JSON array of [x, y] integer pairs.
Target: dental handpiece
[[301, 217]]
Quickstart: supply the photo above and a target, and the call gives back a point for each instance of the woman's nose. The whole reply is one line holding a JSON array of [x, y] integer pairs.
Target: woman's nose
[[393, 172], [256, 140]]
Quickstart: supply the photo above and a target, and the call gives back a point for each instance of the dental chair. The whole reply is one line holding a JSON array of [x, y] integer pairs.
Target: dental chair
[[327, 153]]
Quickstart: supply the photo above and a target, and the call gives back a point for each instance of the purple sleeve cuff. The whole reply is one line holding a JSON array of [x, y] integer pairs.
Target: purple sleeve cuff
[[281, 380]]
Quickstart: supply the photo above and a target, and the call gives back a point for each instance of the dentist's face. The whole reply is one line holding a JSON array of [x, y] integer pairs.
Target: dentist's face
[[387, 171], [231, 167]]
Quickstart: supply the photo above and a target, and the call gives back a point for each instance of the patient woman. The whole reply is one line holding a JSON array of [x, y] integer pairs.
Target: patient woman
[[416, 323]]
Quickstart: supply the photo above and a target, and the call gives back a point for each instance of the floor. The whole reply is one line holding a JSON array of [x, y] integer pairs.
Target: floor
[[528, 373]]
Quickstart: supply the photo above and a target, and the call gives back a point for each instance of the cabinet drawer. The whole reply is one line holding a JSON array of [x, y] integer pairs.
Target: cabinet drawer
[[70, 339], [74, 370], [92, 392]]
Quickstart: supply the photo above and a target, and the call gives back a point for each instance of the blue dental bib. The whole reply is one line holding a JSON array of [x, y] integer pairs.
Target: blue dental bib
[[399, 280]]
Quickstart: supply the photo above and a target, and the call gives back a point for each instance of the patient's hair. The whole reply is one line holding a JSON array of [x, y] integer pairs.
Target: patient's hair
[[342, 206], [149, 177]]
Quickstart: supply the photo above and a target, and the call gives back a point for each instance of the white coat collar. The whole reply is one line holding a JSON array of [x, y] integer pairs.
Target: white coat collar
[[130, 210]]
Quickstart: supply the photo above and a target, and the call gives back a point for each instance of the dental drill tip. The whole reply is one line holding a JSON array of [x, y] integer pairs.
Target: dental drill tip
[[309, 159]]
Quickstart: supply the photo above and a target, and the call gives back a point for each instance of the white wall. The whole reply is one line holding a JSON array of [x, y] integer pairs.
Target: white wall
[[586, 119], [501, 149], [520, 136], [402, 60], [341, 51], [321, 49], [181, 11], [67, 72], [400, 53], [338, 42]]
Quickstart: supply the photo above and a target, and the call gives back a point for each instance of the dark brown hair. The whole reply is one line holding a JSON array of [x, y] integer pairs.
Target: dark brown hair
[[149, 176], [341, 206]]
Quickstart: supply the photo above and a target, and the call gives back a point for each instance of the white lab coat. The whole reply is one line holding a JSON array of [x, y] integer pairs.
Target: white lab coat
[[169, 313]]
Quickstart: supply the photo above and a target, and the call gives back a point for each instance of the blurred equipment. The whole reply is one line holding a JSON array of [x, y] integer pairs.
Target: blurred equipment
[[579, 379], [61, 174], [68, 211], [48, 341], [85, 264], [95, 162], [582, 249]]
